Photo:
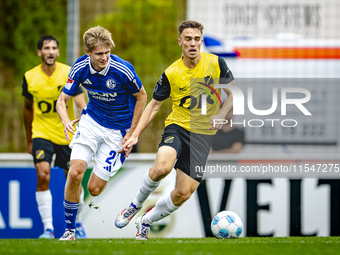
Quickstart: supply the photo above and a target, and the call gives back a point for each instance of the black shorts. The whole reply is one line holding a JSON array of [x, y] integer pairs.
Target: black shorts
[[43, 150], [192, 149]]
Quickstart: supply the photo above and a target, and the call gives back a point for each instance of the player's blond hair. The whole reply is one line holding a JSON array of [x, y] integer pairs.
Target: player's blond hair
[[190, 24], [98, 36]]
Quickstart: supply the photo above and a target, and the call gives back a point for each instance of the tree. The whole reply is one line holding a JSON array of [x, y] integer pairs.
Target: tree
[[145, 33], [21, 25]]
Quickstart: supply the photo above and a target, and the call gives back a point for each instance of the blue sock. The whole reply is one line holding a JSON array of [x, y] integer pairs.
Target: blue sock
[[71, 210]]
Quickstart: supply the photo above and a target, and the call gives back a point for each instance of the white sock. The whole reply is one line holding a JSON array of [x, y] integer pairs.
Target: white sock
[[44, 201], [81, 204], [145, 190], [163, 208]]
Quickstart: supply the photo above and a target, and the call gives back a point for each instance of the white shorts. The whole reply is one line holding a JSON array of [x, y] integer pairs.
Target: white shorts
[[92, 139]]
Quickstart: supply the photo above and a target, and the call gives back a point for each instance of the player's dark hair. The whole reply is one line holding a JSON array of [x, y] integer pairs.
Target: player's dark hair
[[189, 24], [46, 38]]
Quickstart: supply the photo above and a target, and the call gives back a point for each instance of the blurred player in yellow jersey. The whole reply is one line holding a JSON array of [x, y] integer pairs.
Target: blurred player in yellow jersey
[[44, 130], [186, 140]]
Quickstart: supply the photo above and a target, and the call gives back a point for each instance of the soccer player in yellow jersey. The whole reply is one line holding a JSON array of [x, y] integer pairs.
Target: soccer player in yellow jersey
[[187, 137], [44, 130]]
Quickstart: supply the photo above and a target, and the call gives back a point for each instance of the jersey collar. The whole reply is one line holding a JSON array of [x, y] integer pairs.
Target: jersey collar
[[189, 70], [102, 72]]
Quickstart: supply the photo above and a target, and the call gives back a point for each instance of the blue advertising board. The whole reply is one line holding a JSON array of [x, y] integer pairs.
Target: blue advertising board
[[19, 216]]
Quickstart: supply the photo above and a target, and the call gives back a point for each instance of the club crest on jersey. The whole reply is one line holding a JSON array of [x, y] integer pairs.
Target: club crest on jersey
[[110, 84], [69, 83]]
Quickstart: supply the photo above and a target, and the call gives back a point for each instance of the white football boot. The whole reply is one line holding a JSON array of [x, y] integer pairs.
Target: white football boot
[[69, 235], [126, 216], [142, 229]]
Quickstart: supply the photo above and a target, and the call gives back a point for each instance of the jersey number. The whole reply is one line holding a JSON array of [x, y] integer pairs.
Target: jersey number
[[109, 159]]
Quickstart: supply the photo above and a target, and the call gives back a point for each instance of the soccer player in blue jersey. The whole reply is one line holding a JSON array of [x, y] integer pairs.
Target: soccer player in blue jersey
[[116, 102]]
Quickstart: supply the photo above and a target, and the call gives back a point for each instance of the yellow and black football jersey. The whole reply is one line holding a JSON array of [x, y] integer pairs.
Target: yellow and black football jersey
[[45, 91], [190, 90]]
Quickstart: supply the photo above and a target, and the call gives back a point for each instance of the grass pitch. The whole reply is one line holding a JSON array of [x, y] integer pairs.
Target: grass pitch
[[177, 246]]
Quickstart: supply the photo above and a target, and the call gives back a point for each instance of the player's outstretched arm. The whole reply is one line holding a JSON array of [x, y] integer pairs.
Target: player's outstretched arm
[[61, 109], [222, 114], [28, 119], [148, 115]]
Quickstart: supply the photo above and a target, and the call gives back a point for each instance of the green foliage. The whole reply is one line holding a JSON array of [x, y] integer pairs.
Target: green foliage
[[145, 34], [22, 23]]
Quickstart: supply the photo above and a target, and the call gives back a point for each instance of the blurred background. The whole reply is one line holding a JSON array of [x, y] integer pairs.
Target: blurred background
[[145, 34], [278, 39], [266, 44]]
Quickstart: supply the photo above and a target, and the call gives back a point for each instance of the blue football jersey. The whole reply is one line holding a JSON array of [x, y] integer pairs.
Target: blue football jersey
[[111, 103]]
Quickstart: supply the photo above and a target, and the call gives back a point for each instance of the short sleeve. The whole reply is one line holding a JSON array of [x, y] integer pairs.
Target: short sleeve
[[75, 75], [162, 89], [135, 84], [71, 86], [25, 92], [78, 91], [226, 75]]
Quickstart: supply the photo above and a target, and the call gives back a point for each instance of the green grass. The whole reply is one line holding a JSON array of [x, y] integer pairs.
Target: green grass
[[177, 246]]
